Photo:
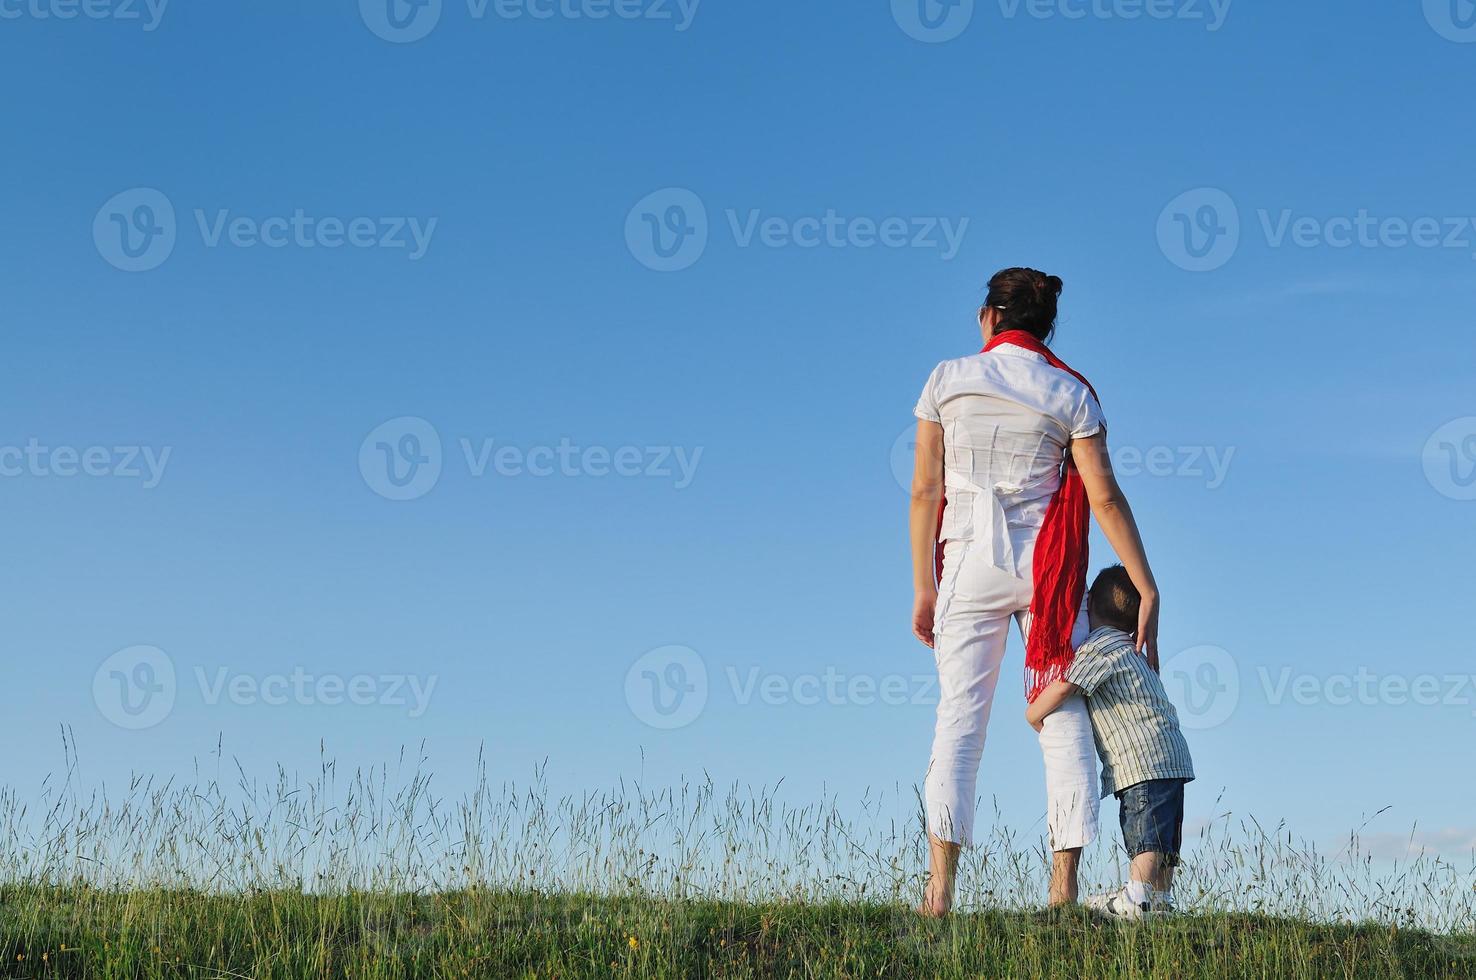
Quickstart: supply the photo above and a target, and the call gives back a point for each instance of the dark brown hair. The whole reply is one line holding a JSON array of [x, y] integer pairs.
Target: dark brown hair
[[1026, 300], [1114, 600]]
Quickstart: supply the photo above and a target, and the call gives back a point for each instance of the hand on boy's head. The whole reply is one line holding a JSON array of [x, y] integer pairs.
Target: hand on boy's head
[[1113, 600], [1146, 638]]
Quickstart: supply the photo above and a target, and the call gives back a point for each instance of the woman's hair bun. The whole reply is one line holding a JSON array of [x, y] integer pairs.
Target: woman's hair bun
[[1026, 300]]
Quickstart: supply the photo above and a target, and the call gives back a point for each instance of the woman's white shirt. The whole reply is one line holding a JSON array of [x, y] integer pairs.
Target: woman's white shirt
[[1008, 417]]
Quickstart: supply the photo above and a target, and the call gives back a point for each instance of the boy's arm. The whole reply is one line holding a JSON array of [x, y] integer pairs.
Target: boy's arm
[[1049, 700]]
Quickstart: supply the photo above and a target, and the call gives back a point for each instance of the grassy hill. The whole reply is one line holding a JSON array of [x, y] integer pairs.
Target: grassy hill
[[371, 874], [81, 932]]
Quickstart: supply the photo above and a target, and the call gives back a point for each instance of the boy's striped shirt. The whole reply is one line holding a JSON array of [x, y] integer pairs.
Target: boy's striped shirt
[[1133, 721]]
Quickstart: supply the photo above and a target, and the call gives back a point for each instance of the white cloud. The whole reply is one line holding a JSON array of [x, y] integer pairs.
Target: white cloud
[[1450, 842]]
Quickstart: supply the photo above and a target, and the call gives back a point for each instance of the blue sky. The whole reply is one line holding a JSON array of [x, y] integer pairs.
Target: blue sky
[[460, 232]]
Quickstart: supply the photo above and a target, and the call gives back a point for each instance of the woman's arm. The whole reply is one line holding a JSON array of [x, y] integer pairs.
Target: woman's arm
[[1115, 517], [927, 494]]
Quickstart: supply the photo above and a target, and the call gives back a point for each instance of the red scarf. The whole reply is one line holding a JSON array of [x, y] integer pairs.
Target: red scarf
[[1060, 564]]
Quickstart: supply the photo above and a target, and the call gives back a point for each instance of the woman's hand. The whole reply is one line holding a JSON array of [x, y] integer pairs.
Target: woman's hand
[[927, 495], [1147, 635], [923, 608]]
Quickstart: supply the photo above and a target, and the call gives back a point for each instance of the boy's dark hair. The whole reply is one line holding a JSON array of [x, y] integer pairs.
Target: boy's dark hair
[[1113, 599]]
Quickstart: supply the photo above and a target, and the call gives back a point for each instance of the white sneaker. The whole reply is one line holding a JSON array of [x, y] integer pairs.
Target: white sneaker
[[1118, 905]]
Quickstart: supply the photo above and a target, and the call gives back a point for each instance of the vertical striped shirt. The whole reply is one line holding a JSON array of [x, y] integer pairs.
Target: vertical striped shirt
[[1134, 723]]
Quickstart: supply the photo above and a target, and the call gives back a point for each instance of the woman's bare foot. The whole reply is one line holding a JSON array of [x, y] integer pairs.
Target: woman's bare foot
[[936, 903], [942, 868], [1064, 869]]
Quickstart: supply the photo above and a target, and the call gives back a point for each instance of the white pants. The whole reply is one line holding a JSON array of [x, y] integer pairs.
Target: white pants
[[976, 602]]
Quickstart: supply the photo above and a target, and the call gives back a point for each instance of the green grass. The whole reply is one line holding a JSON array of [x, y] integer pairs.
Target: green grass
[[372, 874], [78, 932]]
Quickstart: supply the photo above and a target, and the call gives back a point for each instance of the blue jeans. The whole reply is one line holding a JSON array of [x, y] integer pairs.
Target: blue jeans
[[1152, 818]]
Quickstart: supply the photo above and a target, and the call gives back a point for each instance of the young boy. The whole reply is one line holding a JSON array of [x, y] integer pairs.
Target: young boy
[[1145, 760]]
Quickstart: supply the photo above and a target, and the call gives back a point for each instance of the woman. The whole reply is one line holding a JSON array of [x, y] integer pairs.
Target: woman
[[1011, 448]]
